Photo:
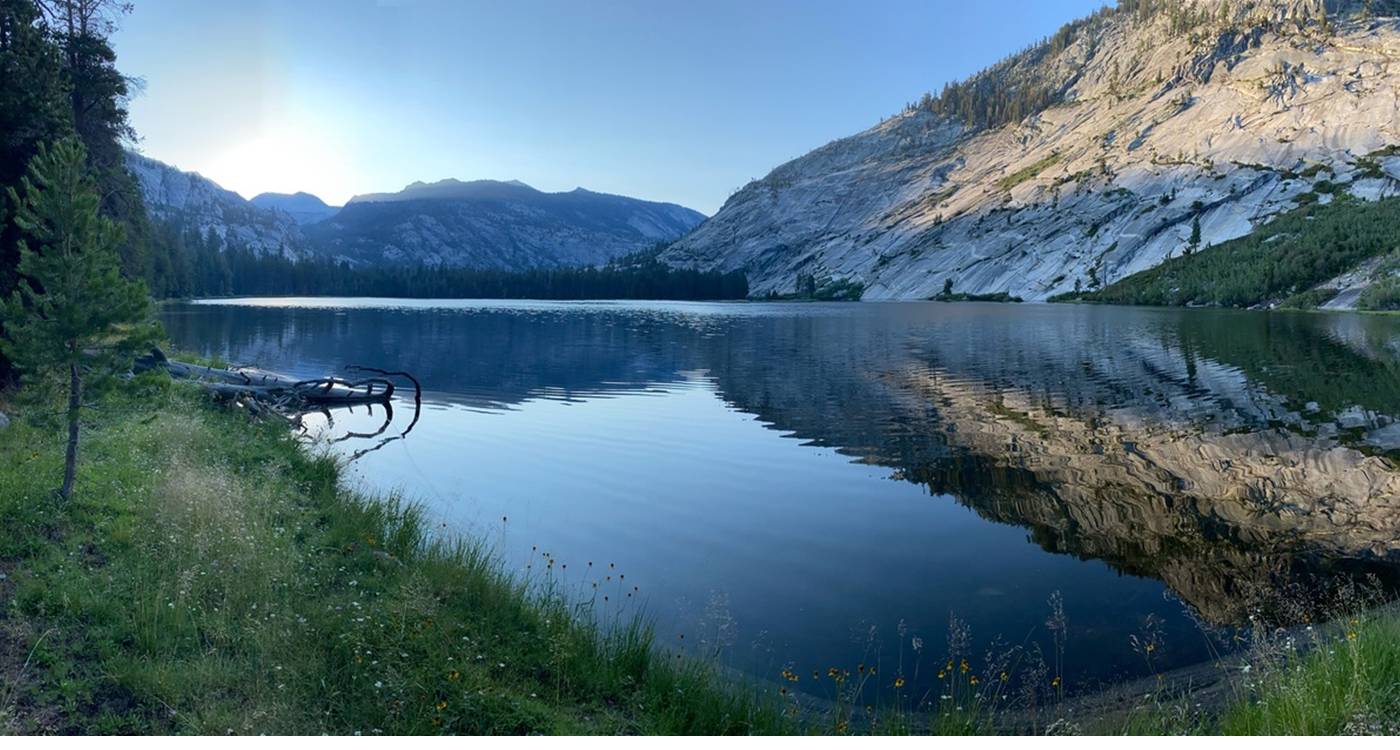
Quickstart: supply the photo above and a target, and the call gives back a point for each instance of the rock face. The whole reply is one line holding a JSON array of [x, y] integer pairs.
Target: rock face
[[189, 202], [1220, 113], [304, 208], [490, 224]]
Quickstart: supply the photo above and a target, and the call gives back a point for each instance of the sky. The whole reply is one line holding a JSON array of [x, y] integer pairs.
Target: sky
[[672, 100]]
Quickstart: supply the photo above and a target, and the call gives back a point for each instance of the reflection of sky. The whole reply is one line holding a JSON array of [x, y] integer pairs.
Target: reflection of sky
[[695, 502], [743, 451]]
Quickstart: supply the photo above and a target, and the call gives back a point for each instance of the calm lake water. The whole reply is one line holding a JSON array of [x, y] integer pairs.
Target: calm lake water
[[813, 485]]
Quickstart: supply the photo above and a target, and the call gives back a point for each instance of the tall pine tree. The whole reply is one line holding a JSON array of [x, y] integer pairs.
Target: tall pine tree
[[73, 314]]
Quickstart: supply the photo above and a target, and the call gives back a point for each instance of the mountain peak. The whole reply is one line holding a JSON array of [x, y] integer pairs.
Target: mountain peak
[[302, 206], [448, 189]]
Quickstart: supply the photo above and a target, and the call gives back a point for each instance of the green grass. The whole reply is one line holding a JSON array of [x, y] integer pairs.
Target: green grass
[[1028, 172], [1349, 684], [211, 576], [1295, 252]]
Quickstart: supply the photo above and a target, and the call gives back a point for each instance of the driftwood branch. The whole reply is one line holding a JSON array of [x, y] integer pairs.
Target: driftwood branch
[[265, 393]]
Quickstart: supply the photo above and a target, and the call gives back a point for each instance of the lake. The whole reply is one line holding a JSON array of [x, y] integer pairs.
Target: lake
[[806, 486]]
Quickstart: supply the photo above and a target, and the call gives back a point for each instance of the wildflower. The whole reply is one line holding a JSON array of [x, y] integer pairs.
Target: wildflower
[[1151, 647], [972, 680], [942, 674], [832, 672], [441, 705], [454, 675], [841, 727], [964, 666], [1005, 677], [899, 682], [1351, 635], [782, 690], [1055, 682]]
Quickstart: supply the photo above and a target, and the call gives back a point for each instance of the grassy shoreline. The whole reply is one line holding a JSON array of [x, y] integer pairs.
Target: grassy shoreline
[[211, 575]]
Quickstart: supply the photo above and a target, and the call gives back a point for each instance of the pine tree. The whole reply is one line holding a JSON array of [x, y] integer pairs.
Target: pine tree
[[73, 314], [1195, 240]]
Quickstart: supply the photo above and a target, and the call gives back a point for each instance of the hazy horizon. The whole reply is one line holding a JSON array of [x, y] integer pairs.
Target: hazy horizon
[[679, 104]]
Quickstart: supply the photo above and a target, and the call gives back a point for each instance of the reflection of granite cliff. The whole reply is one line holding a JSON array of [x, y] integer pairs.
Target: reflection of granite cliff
[[1223, 519], [1146, 454]]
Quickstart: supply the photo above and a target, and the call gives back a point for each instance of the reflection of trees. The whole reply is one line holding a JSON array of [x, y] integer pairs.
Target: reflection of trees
[[1302, 357]]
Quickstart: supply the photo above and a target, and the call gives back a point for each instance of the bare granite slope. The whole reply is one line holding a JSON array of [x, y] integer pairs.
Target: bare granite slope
[[1153, 127]]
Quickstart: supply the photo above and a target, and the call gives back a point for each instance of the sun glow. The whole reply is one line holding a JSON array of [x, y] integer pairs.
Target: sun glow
[[284, 160]]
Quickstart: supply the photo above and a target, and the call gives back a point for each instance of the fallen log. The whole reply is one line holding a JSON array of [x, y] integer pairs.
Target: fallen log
[[261, 391]]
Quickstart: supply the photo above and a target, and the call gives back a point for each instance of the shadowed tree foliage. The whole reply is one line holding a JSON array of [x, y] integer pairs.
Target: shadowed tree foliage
[[73, 314], [33, 109]]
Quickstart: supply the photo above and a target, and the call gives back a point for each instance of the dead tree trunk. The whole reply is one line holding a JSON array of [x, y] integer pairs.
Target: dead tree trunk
[[261, 391]]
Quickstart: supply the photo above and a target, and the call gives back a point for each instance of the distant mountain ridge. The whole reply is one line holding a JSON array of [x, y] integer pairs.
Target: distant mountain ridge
[[505, 225], [304, 207], [496, 224]]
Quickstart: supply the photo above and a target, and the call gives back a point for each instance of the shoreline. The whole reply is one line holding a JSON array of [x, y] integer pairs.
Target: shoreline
[[266, 596]]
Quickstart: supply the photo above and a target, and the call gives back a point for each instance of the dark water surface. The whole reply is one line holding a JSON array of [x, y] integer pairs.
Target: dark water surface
[[815, 485]]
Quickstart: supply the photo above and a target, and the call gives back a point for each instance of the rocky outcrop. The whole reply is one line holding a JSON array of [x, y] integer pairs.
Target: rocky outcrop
[[1154, 126], [189, 202]]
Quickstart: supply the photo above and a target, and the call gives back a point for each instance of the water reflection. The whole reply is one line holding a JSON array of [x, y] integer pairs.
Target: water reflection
[[738, 459]]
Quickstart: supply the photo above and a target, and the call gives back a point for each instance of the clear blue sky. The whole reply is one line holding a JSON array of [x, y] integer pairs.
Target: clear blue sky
[[679, 100]]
